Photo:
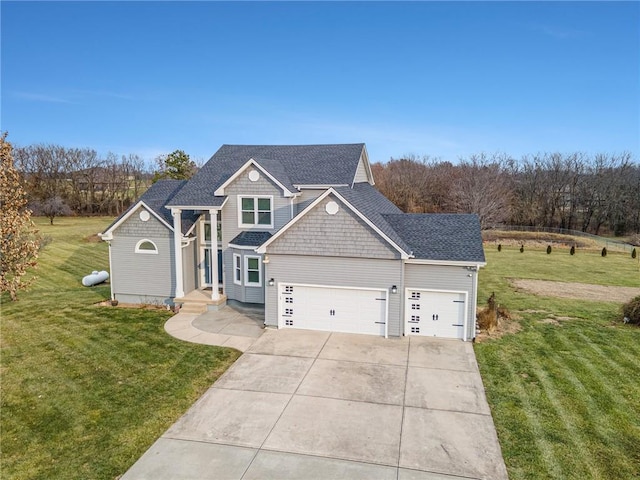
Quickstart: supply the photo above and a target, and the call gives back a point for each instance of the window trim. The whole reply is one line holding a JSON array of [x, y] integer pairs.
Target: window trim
[[146, 251], [255, 211], [237, 268], [247, 283]]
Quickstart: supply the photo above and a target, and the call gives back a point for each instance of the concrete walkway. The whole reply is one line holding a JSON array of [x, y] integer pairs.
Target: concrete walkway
[[227, 327], [317, 405]]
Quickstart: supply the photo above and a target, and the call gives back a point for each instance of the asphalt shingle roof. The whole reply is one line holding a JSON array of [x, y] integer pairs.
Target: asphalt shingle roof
[[156, 197], [440, 236], [373, 205], [293, 165], [250, 239]]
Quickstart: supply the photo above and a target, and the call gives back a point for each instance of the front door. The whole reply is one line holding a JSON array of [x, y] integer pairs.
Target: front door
[[207, 266]]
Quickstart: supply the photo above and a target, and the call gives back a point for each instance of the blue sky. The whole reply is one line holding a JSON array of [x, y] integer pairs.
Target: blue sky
[[445, 79]]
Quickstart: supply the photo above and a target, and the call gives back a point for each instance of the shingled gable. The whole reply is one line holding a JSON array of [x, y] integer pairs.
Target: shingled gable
[[273, 169], [306, 165], [154, 200], [440, 237], [385, 232]]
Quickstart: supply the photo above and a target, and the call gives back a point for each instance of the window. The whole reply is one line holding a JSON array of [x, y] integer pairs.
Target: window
[[255, 211], [146, 246], [237, 269], [252, 276]]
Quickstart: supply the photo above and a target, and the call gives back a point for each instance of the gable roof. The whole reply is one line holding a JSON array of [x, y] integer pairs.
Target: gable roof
[[440, 236], [373, 205], [369, 201], [155, 199], [303, 165]]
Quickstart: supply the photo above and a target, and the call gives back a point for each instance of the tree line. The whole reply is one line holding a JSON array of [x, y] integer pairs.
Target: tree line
[[62, 181], [593, 193]]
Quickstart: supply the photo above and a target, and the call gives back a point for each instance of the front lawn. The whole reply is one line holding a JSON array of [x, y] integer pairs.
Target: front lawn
[[85, 389], [564, 391]]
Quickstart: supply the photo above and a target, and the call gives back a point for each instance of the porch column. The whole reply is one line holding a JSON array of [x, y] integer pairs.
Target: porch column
[[177, 246], [214, 254]]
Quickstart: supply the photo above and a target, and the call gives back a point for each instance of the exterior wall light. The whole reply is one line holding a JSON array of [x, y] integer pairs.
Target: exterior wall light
[[271, 282], [394, 289]]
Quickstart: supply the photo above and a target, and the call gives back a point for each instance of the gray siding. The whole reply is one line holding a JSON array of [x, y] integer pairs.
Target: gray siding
[[340, 235], [442, 277], [140, 276], [361, 172], [189, 270], [306, 197], [282, 214], [338, 271], [241, 293]]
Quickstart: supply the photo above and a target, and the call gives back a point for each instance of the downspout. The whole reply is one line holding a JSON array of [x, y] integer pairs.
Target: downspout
[[113, 295]]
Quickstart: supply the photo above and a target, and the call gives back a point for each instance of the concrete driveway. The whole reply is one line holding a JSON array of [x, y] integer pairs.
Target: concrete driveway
[[314, 405]]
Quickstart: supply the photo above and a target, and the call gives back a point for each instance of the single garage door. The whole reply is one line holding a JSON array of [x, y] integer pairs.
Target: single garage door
[[347, 310], [435, 314]]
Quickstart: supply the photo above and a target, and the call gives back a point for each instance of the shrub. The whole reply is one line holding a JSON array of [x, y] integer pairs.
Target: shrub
[[634, 254], [631, 311], [521, 248], [500, 247], [548, 249], [573, 250], [604, 251]]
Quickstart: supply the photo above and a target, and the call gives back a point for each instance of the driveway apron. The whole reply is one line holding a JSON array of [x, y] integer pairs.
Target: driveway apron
[[316, 405]]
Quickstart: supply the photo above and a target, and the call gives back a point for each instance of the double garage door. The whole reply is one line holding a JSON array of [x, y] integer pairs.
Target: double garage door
[[347, 310], [435, 314]]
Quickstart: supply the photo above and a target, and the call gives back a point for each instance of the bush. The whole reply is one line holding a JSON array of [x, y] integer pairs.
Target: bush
[[604, 251], [634, 254], [500, 247], [521, 248], [631, 311], [548, 249], [573, 250]]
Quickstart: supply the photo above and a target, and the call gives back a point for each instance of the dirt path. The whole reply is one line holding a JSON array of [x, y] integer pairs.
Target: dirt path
[[580, 291]]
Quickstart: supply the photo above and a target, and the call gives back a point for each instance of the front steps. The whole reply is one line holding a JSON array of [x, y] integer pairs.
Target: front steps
[[199, 301]]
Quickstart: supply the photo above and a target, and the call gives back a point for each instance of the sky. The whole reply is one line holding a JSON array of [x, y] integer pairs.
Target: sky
[[442, 79]]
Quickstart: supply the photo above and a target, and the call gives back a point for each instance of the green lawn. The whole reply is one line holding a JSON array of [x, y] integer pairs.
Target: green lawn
[[565, 397], [86, 390]]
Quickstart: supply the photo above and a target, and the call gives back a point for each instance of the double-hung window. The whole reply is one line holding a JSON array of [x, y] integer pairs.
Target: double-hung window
[[237, 269], [255, 211], [253, 273]]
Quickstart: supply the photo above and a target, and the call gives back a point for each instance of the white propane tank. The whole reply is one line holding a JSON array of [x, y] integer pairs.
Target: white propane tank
[[95, 278]]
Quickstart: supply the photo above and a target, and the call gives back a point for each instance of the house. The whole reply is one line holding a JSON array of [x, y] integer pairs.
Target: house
[[302, 231]]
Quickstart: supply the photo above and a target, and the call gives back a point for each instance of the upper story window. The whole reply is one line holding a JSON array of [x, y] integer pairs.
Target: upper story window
[[146, 246], [255, 211]]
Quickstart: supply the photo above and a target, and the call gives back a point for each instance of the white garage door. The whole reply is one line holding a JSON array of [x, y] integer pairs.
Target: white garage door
[[435, 314], [347, 310]]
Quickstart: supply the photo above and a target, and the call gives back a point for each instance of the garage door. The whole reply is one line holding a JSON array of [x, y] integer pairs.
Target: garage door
[[347, 310], [435, 314]]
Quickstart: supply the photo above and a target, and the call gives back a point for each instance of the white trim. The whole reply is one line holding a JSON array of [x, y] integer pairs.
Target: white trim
[[465, 320], [108, 234], [365, 158], [236, 268], [262, 248], [247, 283], [256, 211], [320, 186], [241, 247], [220, 190], [453, 263], [147, 252]]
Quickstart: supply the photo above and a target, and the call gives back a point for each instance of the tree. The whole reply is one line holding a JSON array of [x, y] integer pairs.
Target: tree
[[176, 165], [19, 243]]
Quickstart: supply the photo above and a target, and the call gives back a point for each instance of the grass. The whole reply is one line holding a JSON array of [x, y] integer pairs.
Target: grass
[[565, 397], [85, 389]]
